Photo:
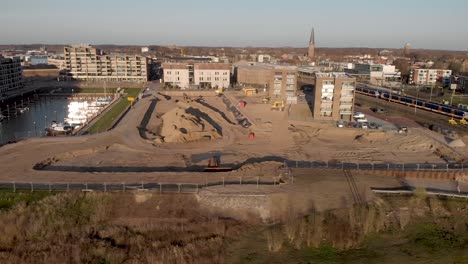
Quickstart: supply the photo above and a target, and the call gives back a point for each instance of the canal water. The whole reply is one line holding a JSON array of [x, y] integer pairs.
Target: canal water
[[32, 122]]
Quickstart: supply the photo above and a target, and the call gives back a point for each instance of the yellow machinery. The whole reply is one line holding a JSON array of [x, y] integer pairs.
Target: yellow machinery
[[452, 122], [278, 105], [219, 91], [250, 91], [463, 122]]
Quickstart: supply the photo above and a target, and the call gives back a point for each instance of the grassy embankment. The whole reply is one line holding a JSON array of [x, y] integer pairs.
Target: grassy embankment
[[106, 120]]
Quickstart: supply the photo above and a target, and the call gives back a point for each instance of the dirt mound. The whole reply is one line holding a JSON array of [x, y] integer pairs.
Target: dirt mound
[[180, 126], [457, 143]]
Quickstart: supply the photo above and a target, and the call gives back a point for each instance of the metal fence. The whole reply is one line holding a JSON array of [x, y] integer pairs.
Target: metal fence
[[429, 191], [378, 166], [141, 186]]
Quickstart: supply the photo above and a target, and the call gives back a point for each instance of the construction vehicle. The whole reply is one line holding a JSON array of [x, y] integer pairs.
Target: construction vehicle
[[278, 105], [250, 91], [213, 165], [463, 122], [219, 91], [452, 122], [187, 99], [266, 100]]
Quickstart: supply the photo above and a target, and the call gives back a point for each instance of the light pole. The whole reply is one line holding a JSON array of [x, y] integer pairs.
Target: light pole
[[416, 103], [45, 121], [35, 130]]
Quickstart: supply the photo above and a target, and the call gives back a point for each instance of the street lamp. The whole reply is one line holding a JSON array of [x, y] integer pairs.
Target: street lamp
[[416, 103], [45, 121], [35, 130]]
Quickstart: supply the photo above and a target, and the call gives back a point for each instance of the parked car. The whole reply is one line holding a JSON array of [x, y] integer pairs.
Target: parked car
[[340, 124], [364, 125], [358, 115], [351, 124], [361, 120], [372, 125], [379, 110]]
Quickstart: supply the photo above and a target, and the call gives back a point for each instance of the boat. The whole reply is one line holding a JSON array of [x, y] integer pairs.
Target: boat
[[56, 128], [22, 110]]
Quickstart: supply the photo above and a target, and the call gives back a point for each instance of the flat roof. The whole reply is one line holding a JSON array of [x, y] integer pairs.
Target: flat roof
[[341, 75], [268, 66]]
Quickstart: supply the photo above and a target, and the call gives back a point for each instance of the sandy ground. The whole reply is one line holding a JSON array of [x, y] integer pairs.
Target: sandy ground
[[126, 154]]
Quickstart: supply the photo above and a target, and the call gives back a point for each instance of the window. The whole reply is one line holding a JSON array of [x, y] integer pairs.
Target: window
[[216, 78], [216, 73]]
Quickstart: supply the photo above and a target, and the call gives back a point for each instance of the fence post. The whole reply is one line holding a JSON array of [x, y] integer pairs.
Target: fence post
[[86, 186], [32, 187], [447, 167], [388, 166], [258, 178], [160, 188], [50, 188], [197, 187], [417, 167], [105, 187], [223, 182], [68, 187], [240, 181], [142, 186], [123, 186], [14, 187], [178, 186]]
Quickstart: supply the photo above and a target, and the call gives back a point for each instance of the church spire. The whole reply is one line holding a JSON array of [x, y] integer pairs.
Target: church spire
[[312, 37]]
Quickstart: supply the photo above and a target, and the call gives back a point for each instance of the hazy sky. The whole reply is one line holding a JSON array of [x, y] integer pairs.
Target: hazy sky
[[430, 24]]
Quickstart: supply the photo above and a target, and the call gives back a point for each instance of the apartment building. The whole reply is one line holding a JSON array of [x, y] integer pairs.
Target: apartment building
[[332, 94], [278, 81], [11, 77], [197, 75], [84, 62], [430, 77]]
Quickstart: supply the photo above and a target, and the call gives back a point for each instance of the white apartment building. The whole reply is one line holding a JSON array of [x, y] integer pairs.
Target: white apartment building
[[430, 76], [191, 75], [84, 62]]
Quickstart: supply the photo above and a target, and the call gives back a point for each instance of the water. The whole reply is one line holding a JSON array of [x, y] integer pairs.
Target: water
[[33, 122]]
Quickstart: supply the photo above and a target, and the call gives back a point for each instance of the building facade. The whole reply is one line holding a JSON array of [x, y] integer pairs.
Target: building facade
[[430, 77], [463, 84], [11, 77], [84, 62], [378, 74], [197, 75], [277, 81], [39, 59]]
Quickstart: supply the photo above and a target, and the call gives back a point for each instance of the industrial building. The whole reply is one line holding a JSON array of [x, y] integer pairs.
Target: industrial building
[[84, 62], [277, 81], [186, 75], [11, 77], [430, 77], [330, 95]]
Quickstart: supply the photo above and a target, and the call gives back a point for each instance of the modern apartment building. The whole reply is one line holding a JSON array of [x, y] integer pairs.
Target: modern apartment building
[[331, 94], [11, 77], [430, 76], [84, 62], [278, 81], [193, 75]]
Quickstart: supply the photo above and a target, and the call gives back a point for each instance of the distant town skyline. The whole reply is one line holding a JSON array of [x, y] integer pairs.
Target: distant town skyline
[[426, 24]]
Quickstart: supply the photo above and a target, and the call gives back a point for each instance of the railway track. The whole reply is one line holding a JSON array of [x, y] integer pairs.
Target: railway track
[[353, 186]]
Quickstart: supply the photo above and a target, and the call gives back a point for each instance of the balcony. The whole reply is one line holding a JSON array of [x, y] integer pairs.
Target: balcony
[[347, 104], [345, 112]]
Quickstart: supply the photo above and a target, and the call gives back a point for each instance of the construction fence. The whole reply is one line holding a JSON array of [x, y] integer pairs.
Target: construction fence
[[378, 166]]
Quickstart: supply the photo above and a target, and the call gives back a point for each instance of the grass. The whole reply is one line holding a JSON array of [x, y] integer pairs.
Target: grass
[[9, 199], [96, 90], [105, 122]]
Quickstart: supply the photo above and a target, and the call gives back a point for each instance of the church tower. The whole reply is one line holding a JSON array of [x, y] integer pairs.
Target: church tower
[[311, 53]]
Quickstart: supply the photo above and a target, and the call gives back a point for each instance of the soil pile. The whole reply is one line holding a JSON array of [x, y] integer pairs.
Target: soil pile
[[457, 143], [180, 126]]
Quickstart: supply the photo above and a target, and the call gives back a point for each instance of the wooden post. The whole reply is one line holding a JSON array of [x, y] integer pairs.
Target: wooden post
[[32, 187]]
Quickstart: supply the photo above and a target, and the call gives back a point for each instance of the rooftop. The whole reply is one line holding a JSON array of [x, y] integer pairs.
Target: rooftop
[[340, 75], [268, 66]]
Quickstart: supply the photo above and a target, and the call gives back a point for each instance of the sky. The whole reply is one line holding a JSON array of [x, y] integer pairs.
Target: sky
[[429, 24]]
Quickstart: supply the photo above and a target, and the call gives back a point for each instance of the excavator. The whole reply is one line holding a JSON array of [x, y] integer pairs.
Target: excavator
[[278, 105]]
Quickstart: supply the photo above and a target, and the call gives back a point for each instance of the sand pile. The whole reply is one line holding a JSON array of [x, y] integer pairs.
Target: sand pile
[[180, 126], [457, 143], [265, 168]]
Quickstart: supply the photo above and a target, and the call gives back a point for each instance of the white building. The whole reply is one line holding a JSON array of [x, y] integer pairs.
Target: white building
[[144, 49], [191, 75], [430, 76]]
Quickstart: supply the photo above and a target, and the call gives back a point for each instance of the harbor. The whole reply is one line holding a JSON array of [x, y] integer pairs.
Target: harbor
[[46, 115]]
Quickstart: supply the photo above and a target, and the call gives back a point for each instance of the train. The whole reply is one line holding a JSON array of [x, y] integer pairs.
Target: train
[[447, 110]]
